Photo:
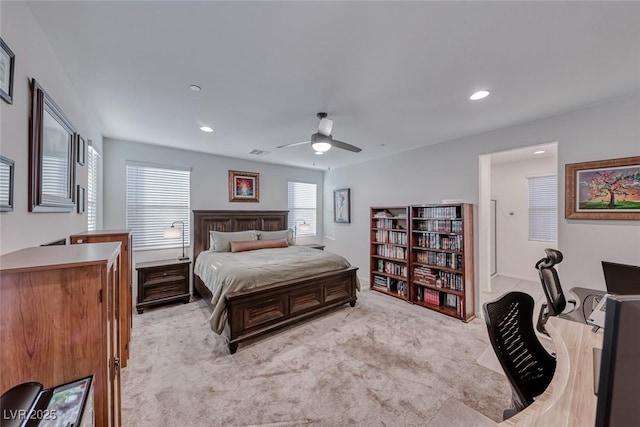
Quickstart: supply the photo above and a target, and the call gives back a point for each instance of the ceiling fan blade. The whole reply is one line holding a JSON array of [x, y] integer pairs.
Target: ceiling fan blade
[[325, 127], [345, 146], [293, 144]]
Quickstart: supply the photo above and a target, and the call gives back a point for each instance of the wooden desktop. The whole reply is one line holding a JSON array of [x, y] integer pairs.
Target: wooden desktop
[[569, 400]]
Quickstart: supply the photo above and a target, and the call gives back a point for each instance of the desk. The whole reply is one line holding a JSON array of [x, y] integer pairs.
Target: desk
[[569, 400]]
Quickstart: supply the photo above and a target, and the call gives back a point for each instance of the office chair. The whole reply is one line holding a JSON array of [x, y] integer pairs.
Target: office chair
[[556, 302], [524, 360]]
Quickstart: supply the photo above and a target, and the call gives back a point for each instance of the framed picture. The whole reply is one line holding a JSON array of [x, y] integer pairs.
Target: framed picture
[[81, 147], [81, 197], [6, 184], [7, 65], [244, 186], [606, 189], [342, 205]]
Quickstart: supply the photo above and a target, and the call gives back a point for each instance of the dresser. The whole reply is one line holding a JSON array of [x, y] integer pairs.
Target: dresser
[[59, 320], [126, 300]]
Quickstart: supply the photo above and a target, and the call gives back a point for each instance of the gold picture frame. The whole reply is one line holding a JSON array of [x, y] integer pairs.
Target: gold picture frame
[[605, 189], [244, 186]]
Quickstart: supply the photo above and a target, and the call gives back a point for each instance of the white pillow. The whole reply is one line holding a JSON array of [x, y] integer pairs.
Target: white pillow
[[281, 234], [219, 240]]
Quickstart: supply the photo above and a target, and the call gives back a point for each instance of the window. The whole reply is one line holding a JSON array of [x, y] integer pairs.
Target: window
[[156, 197], [92, 190], [543, 208], [302, 208]]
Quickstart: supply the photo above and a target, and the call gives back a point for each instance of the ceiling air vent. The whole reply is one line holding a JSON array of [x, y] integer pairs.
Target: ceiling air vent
[[258, 152]]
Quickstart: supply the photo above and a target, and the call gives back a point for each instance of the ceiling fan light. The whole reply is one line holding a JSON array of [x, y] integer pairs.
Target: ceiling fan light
[[321, 146], [319, 153]]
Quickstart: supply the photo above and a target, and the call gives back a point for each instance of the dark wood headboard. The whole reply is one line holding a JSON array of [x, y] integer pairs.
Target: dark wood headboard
[[206, 221]]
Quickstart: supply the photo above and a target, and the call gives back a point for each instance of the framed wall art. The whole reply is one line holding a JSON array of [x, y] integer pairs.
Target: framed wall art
[[244, 186], [605, 189], [7, 66], [81, 148], [342, 205], [81, 198]]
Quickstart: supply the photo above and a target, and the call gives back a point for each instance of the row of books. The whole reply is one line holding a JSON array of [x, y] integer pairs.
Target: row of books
[[441, 212], [438, 241], [439, 225], [397, 237], [439, 279], [390, 251], [390, 284], [440, 259], [390, 267], [439, 299], [387, 223]]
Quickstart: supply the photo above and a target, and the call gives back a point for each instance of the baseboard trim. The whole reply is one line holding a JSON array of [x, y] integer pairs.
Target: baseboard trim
[[513, 276]]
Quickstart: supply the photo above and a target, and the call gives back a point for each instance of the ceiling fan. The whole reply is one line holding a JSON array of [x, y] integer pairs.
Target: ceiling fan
[[322, 140]]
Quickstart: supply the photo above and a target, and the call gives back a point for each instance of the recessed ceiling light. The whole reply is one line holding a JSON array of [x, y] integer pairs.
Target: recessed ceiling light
[[538, 152], [195, 88], [206, 129], [479, 95]]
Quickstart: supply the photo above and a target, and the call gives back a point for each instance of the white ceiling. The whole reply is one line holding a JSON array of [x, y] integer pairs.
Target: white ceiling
[[393, 75]]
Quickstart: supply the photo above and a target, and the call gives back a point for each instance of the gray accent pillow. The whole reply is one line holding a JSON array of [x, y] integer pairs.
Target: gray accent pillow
[[282, 234], [220, 240]]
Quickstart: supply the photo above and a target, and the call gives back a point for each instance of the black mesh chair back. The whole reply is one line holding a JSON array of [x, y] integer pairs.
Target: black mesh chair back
[[526, 363], [556, 301]]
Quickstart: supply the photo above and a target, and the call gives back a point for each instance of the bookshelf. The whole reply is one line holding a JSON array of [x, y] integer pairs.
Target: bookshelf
[[441, 259], [390, 251]]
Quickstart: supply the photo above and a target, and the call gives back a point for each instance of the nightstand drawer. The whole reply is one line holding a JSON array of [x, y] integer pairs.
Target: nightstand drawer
[[163, 290], [160, 275]]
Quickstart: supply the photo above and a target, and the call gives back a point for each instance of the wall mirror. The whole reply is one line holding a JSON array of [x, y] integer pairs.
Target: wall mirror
[[6, 184], [52, 156]]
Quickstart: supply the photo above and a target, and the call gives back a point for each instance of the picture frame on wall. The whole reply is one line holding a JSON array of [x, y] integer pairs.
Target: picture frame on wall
[[605, 189], [81, 147], [244, 186], [342, 205], [7, 67]]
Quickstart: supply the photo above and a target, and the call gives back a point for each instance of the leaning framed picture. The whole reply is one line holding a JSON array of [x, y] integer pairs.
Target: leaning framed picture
[[605, 189], [342, 205], [244, 186], [7, 65]]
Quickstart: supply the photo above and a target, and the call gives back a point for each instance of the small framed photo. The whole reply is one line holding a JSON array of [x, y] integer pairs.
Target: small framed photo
[[342, 205], [7, 65], [81, 199], [604, 189], [244, 186], [81, 148]]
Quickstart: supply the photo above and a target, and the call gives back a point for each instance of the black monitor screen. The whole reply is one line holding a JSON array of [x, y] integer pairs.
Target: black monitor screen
[[621, 279], [619, 384]]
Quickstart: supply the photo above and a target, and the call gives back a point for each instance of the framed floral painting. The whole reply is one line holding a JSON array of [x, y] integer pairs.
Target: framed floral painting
[[606, 189], [244, 186]]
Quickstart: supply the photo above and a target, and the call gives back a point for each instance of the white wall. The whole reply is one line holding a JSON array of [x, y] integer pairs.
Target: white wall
[[450, 171], [516, 254], [209, 184], [35, 58]]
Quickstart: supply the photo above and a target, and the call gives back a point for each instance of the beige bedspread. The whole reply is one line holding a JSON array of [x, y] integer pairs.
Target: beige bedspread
[[224, 272]]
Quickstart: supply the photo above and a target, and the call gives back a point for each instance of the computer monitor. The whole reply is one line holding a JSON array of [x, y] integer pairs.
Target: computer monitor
[[621, 279], [619, 381]]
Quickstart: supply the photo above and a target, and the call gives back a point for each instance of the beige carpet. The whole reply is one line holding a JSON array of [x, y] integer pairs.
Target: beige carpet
[[382, 363]]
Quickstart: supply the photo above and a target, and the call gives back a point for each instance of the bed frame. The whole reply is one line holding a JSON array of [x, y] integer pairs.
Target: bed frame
[[256, 312]]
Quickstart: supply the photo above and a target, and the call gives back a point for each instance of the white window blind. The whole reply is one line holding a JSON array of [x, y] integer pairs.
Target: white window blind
[[156, 197], [302, 207], [92, 189], [543, 208]]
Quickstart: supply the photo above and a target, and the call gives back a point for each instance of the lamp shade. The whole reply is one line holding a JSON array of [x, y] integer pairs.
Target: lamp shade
[[304, 227], [172, 233]]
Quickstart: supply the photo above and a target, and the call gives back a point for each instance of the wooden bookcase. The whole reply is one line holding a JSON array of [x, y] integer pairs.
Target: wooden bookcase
[[441, 259], [389, 252]]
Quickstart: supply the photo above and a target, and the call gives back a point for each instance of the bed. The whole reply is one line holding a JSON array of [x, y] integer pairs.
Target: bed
[[250, 313]]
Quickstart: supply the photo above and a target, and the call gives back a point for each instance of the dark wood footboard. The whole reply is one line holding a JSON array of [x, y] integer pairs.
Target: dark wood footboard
[[259, 311]]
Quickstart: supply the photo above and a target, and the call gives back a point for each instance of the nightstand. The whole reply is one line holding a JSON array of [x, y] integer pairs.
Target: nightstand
[[161, 282], [314, 246]]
